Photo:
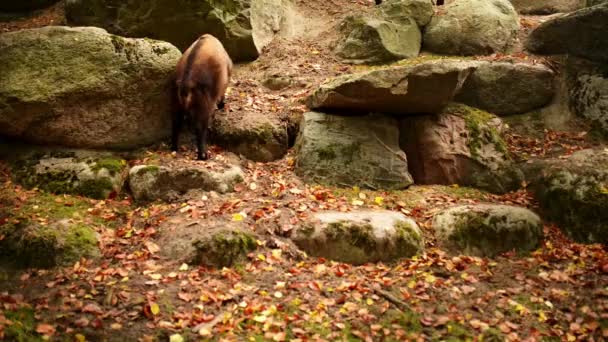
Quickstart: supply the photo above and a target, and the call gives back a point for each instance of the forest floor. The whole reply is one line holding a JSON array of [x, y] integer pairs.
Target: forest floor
[[134, 292]]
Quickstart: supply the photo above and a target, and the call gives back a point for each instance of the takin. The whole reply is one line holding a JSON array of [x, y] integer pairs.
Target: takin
[[201, 78]]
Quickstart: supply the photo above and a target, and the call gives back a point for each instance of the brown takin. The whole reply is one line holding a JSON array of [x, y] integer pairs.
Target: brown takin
[[201, 78]]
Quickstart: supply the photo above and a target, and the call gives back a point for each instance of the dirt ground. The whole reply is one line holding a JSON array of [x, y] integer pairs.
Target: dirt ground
[[134, 292]]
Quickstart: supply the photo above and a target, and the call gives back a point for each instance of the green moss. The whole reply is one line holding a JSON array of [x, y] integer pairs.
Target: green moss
[[406, 232], [480, 133], [113, 165], [457, 332], [23, 328], [358, 235], [224, 248], [491, 335], [408, 320], [326, 152], [153, 169], [95, 188]]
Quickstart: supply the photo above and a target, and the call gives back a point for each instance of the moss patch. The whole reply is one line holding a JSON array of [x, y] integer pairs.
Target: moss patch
[[224, 248], [23, 328]]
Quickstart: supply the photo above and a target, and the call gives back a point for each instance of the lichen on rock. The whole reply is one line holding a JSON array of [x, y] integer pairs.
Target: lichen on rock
[[223, 248]]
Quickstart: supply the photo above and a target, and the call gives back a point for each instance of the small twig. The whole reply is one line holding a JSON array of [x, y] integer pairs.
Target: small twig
[[401, 305]]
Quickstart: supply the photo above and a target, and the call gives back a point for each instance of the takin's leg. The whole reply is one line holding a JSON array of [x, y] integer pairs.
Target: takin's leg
[[176, 128], [221, 103], [201, 132]]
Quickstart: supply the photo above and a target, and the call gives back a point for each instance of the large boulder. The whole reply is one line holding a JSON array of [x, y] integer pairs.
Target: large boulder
[[488, 230], [556, 36], [547, 6], [419, 10], [573, 192], [243, 26], [461, 145], [588, 92], [151, 182], [351, 151], [373, 39], [24, 5], [422, 88], [359, 237], [508, 88], [473, 27], [83, 87], [94, 177]]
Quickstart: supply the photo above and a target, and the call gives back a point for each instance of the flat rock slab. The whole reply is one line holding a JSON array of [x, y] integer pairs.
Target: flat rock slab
[[488, 230], [151, 182], [351, 151], [422, 88], [360, 237], [543, 7], [583, 33]]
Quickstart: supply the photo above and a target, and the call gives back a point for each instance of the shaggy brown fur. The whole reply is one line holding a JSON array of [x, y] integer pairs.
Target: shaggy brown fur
[[201, 78]]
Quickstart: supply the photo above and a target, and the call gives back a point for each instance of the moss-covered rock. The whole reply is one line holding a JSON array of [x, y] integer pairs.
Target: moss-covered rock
[[243, 26], [397, 10], [151, 182], [461, 145], [45, 232], [91, 177], [588, 91], [223, 248], [373, 39], [351, 151], [360, 237], [488, 230], [112, 93], [574, 193]]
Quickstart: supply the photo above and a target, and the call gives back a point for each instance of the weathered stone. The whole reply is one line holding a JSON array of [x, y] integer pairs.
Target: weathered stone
[[508, 88], [360, 237], [150, 182], [24, 5], [243, 26], [223, 247], [422, 88], [351, 151], [255, 136], [419, 10], [547, 6], [588, 92], [461, 145], [574, 193], [91, 177], [556, 36], [488, 230], [111, 93], [473, 27], [372, 39]]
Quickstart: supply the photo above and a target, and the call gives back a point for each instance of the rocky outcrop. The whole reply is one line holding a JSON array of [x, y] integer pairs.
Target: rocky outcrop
[[588, 92], [461, 145], [487, 230], [94, 177], [85, 88], [419, 10], [243, 26], [351, 151], [556, 36], [402, 90], [373, 39], [508, 88], [573, 192], [151, 182], [360, 237], [24, 5], [473, 27], [542, 7]]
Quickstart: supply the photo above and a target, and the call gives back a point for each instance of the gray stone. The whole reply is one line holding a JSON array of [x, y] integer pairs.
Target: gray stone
[[351, 151], [473, 27], [508, 88], [461, 145], [150, 182], [487, 230], [243, 26], [588, 92], [547, 6], [573, 192], [419, 10], [85, 88], [372, 39], [556, 36], [360, 237], [421, 88]]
